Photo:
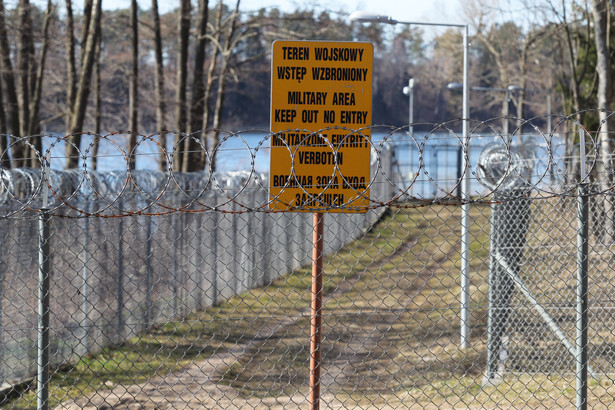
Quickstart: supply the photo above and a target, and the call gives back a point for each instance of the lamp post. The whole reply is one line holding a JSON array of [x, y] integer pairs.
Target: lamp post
[[409, 91], [509, 90], [363, 16]]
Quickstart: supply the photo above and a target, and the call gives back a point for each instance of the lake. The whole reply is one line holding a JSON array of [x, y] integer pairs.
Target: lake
[[429, 162]]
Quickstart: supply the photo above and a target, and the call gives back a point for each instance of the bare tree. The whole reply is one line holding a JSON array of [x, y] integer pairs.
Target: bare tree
[[226, 52], [8, 76], [5, 159], [25, 62], [159, 84], [87, 17], [83, 87], [600, 12], [193, 152], [182, 76], [97, 104], [215, 38], [133, 98], [37, 86], [572, 67], [24, 89], [71, 81]]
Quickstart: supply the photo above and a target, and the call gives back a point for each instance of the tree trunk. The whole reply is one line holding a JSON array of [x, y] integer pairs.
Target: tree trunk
[[25, 59], [5, 160], [600, 13], [71, 86], [35, 102], [192, 160], [83, 88], [160, 106], [182, 75], [133, 98], [226, 55], [87, 16], [210, 74], [97, 105]]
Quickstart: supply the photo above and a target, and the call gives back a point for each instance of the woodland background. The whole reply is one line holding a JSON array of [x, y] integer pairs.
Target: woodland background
[[206, 66]]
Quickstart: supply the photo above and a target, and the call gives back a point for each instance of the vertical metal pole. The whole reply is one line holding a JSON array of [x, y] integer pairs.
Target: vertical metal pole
[[550, 137], [148, 274], [582, 290], [251, 247], [42, 394], [492, 322], [236, 252], [410, 127], [42, 375], [86, 287], [582, 281], [506, 114], [214, 259], [435, 161], [465, 210], [549, 109], [120, 274], [459, 172], [174, 286], [199, 261], [316, 313], [2, 364]]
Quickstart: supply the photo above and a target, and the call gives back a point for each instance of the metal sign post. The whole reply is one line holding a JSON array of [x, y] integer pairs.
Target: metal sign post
[[316, 310]]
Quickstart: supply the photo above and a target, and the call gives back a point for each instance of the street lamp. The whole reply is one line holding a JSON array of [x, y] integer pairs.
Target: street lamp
[[366, 17], [409, 91], [510, 89]]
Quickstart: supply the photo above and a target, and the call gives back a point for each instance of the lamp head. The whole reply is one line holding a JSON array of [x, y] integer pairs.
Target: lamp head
[[367, 17]]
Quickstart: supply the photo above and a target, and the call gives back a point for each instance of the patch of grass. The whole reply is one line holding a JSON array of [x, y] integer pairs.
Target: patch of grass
[[390, 336], [132, 362]]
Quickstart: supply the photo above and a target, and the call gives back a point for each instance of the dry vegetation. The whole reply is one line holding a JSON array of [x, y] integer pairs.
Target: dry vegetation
[[390, 337]]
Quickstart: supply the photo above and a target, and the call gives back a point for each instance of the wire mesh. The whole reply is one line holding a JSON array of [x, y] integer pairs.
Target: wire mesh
[[184, 290]]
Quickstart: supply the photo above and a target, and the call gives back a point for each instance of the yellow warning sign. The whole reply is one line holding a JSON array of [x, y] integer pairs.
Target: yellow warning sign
[[321, 111]]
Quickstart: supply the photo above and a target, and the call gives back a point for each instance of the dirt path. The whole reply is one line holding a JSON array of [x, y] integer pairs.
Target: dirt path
[[198, 386], [370, 345]]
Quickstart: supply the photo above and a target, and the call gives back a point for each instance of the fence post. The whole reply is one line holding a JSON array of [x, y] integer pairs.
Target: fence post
[[120, 274], [582, 298], [42, 394], [582, 279], [214, 258], [148, 274], [266, 219], [2, 267], [86, 288], [235, 252], [175, 286]]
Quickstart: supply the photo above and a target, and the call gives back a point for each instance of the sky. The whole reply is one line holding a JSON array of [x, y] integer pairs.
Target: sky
[[441, 11], [432, 11]]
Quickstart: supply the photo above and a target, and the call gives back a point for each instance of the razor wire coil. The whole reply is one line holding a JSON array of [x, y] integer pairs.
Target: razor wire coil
[[164, 191]]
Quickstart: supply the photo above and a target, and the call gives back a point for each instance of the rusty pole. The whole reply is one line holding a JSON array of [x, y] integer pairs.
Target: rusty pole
[[316, 311]]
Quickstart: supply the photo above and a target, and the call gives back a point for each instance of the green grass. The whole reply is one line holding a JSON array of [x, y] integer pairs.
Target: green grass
[[391, 335]]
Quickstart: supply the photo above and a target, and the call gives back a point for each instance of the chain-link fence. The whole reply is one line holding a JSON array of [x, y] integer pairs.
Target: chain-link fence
[[159, 289]]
